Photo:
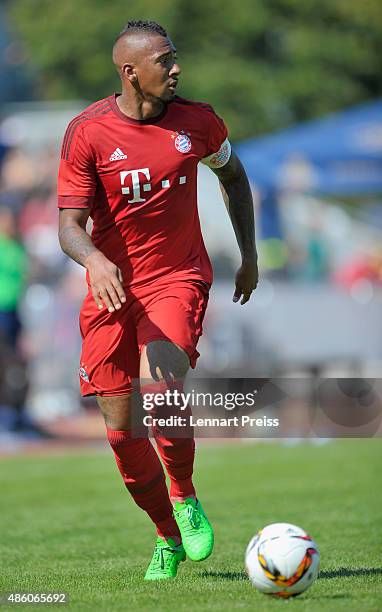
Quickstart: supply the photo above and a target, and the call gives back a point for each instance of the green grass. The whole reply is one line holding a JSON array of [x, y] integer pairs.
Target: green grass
[[68, 525]]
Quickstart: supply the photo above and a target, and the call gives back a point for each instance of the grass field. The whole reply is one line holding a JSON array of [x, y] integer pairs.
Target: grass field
[[68, 525]]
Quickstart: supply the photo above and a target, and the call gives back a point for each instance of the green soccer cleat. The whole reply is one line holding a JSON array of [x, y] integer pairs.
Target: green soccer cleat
[[195, 529], [165, 561]]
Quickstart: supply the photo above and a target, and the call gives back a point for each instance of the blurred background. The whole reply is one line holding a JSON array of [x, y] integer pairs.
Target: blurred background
[[299, 85]]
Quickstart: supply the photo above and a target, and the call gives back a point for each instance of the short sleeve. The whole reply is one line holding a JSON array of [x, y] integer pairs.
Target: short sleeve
[[76, 175], [217, 132], [219, 148]]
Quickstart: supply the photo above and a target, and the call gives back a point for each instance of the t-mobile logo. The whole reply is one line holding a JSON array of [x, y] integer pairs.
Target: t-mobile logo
[[135, 184]]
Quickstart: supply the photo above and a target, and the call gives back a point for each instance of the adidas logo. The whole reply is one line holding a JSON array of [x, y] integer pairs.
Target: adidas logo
[[118, 154]]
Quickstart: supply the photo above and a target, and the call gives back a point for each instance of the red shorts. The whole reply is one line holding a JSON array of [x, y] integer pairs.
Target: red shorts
[[112, 342]]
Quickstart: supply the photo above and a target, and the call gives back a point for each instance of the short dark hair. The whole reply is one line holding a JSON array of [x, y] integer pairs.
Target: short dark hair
[[142, 26]]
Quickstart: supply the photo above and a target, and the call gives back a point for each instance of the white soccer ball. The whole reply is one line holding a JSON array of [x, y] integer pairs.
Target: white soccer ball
[[282, 560]]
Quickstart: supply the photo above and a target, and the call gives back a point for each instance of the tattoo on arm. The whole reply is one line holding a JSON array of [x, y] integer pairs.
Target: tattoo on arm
[[76, 243], [237, 197], [72, 234]]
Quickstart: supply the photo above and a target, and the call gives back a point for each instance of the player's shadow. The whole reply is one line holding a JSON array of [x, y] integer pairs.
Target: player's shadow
[[225, 575], [347, 572], [341, 572]]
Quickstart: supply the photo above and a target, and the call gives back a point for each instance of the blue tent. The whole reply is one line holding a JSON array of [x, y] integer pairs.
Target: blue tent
[[338, 155]]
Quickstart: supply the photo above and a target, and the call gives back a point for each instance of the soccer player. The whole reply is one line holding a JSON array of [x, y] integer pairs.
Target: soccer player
[[129, 162]]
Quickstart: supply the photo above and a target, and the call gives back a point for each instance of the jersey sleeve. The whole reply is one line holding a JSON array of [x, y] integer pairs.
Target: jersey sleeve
[[76, 175], [219, 148]]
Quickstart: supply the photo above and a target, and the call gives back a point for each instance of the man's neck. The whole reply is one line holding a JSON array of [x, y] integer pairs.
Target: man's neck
[[139, 109]]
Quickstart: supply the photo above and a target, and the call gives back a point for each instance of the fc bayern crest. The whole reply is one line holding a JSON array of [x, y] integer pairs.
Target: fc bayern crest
[[83, 373], [183, 143]]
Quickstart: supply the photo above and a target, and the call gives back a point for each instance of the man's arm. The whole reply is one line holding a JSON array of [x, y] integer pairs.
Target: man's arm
[[105, 278], [237, 197]]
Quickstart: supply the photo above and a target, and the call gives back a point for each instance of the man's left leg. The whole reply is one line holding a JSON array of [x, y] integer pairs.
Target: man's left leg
[[163, 367], [176, 445]]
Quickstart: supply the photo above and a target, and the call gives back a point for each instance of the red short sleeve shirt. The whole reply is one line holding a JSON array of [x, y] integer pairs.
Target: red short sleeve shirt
[[141, 177]]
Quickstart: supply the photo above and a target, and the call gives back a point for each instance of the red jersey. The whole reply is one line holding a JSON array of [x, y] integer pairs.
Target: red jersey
[[141, 177]]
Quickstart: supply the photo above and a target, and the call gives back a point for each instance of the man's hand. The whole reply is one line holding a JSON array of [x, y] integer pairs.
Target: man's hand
[[246, 280], [105, 278], [105, 281]]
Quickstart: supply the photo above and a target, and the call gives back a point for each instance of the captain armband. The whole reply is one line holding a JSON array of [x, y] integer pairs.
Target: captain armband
[[220, 158]]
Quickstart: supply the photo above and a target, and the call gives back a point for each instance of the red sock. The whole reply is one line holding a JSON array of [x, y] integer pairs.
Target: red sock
[[143, 476], [175, 444], [178, 457]]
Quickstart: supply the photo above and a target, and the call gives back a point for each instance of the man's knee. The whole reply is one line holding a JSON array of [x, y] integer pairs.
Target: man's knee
[[118, 412], [163, 360]]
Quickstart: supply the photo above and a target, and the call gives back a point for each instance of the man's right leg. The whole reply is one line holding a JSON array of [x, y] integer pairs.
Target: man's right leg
[[138, 464], [143, 476], [107, 366]]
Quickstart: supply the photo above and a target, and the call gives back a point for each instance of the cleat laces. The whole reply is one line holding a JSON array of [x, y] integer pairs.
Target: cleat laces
[[160, 559], [193, 516]]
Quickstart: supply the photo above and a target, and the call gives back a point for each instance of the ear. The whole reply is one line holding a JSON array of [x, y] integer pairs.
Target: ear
[[128, 71]]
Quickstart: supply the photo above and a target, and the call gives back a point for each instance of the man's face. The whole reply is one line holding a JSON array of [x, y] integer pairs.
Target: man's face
[[157, 69]]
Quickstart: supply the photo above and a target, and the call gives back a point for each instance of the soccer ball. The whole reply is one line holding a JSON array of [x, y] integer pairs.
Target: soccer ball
[[282, 560]]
